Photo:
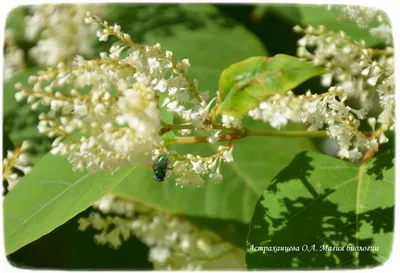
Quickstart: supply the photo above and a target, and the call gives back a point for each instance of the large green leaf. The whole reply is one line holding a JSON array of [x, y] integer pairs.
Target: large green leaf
[[210, 44], [243, 85], [48, 196], [324, 202], [199, 32]]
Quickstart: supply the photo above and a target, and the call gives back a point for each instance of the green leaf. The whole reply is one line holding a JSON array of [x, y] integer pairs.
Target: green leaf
[[48, 196], [243, 85], [290, 13], [15, 21], [325, 202]]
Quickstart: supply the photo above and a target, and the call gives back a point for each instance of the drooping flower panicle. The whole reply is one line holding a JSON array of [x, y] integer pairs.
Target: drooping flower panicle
[[174, 242]]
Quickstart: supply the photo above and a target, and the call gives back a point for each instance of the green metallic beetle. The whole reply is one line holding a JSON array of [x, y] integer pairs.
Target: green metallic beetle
[[160, 167]]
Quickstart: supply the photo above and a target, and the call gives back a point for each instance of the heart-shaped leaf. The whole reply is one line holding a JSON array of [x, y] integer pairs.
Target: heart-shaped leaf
[[322, 212]]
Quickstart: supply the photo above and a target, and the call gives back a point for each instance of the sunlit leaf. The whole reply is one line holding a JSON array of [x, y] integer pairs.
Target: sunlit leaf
[[243, 85]]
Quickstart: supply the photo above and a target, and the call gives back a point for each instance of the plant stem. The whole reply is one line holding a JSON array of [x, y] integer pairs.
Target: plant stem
[[236, 134], [198, 139], [255, 132], [248, 131]]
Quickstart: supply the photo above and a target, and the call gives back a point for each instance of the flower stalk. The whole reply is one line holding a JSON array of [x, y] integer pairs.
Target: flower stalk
[[235, 134]]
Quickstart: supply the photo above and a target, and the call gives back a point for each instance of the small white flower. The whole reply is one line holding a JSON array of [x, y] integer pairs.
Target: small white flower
[[105, 203], [372, 123], [372, 81], [161, 86], [80, 109], [383, 139], [190, 177], [159, 254], [373, 143], [231, 122], [216, 176], [354, 154], [326, 79], [214, 137], [227, 155]]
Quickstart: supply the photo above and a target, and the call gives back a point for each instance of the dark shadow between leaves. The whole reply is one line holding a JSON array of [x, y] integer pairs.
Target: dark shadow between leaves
[[300, 167], [161, 18], [385, 162]]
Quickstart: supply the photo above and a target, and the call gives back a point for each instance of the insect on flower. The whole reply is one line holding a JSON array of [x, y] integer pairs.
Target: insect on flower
[[160, 167]]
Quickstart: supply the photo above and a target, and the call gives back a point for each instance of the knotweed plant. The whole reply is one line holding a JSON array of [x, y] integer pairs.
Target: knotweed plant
[[105, 113], [137, 104]]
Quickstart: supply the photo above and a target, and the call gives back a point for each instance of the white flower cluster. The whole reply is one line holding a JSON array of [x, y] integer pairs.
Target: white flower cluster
[[174, 242], [231, 122], [358, 69], [112, 122], [318, 111], [361, 77], [383, 32], [168, 78], [359, 80], [365, 74], [365, 16], [105, 113], [14, 61], [60, 32], [278, 111], [362, 16], [16, 163]]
